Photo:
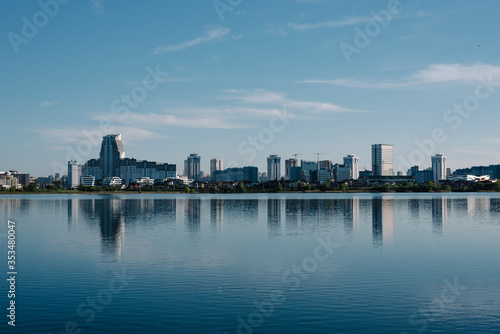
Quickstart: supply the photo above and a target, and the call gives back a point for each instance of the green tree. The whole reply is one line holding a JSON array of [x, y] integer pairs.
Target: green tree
[[32, 187], [280, 187], [241, 187]]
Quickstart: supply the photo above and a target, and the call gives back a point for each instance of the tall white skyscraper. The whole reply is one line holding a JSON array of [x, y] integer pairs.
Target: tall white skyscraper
[[273, 168], [352, 162], [382, 160], [74, 174], [438, 167], [111, 154], [192, 167], [216, 164]]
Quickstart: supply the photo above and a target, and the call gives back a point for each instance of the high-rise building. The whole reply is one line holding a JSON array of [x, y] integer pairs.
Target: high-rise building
[[74, 173], [192, 167], [273, 167], [245, 174], [308, 168], [352, 162], [289, 163], [438, 167], [216, 164], [111, 154], [382, 160], [325, 164]]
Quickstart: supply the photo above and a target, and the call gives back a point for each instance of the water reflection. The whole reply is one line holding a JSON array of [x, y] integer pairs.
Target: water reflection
[[217, 214], [192, 216], [274, 216], [382, 221], [299, 214], [351, 215], [439, 214]]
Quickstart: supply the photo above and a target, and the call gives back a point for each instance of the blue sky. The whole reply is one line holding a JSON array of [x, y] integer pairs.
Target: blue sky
[[297, 76]]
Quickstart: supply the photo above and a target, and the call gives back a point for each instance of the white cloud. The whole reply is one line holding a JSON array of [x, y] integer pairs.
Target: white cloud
[[279, 99], [213, 34], [169, 119], [97, 7], [71, 134], [438, 73], [47, 104], [344, 22]]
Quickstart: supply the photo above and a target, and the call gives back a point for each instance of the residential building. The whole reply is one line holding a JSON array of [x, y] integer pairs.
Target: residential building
[[112, 163], [438, 167], [111, 154], [382, 160], [289, 163], [88, 181], [308, 167], [192, 167], [8, 181], [22, 179], [325, 164], [245, 174], [112, 182], [342, 173], [352, 162], [216, 164], [273, 168], [74, 173]]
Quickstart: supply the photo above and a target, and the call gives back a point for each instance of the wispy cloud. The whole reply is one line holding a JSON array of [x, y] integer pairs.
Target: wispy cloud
[[438, 73], [97, 7], [169, 119], [264, 97], [213, 34], [72, 134], [344, 22], [47, 104]]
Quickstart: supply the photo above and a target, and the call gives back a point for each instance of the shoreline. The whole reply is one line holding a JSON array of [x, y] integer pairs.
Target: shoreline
[[243, 193]]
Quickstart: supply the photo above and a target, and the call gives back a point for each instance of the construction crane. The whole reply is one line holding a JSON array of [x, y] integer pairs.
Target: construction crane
[[318, 154], [296, 154]]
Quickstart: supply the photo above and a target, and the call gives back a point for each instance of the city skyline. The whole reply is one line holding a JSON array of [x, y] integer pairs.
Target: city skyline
[[223, 85]]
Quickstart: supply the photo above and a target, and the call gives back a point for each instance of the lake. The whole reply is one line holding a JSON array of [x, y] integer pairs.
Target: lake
[[254, 263]]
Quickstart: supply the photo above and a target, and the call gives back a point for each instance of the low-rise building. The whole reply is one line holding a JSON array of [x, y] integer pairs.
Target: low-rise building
[[87, 180], [112, 182]]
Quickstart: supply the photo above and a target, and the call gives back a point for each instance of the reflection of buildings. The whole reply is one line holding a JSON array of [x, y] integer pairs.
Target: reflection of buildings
[[439, 214], [351, 214], [113, 214], [217, 214], [73, 210], [476, 205], [382, 220], [274, 216], [192, 215], [292, 215], [414, 209], [112, 224]]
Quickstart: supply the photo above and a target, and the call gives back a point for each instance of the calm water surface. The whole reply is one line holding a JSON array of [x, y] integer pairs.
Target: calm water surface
[[284, 263]]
